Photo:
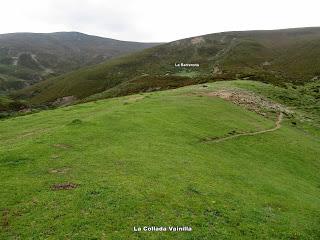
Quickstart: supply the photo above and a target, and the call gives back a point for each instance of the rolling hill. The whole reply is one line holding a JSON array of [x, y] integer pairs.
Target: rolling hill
[[230, 159], [276, 56], [27, 58]]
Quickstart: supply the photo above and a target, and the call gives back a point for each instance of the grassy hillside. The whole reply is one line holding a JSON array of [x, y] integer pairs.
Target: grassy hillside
[[31, 57], [96, 170], [270, 56]]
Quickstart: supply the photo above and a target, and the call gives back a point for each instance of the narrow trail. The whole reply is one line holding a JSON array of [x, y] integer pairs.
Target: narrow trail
[[276, 127]]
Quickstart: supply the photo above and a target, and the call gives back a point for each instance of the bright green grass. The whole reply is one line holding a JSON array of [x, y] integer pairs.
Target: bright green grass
[[139, 162]]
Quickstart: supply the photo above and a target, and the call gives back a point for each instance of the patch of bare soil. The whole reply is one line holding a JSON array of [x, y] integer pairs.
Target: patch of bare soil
[[250, 101], [5, 218], [131, 99], [64, 186]]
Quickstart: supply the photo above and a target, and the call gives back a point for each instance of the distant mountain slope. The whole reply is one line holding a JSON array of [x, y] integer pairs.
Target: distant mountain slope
[[26, 58], [277, 56]]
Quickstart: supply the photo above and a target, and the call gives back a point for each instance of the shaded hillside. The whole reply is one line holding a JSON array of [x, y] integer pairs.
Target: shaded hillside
[[277, 56], [27, 58]]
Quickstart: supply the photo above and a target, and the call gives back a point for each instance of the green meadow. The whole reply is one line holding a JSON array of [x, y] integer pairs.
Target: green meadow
[[97, 170]]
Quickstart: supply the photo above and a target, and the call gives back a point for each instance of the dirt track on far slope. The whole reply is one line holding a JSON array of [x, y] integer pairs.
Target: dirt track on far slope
[[276, 127]]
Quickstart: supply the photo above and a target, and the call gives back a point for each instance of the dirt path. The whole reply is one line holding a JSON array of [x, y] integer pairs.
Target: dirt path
[[276, 127]]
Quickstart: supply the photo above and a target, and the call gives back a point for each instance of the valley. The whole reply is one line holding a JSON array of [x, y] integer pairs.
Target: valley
[[277, 57], [101, 139], [28, 58]]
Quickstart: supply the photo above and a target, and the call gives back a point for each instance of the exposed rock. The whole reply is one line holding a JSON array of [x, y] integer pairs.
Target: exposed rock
[[197, 40], [64, 101], [216, 70], [266, 63], [64, 186], [59, 170], [250, 101]]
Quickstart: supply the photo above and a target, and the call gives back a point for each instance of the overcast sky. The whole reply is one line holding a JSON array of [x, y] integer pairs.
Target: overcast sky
[[155, 20]]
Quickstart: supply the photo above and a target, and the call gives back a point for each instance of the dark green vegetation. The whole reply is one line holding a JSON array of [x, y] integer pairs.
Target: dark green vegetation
[[277, 57], [95, 170], [27, 58], [9, 107]]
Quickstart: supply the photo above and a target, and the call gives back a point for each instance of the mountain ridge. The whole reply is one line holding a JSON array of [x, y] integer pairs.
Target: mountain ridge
[[27, 58], [274, 56]]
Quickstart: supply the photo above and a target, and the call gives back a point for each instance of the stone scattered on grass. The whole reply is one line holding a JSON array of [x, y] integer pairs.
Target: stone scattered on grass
[[250, 101], [55, 156], [64, 186], [59, 170], [5, 218]]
